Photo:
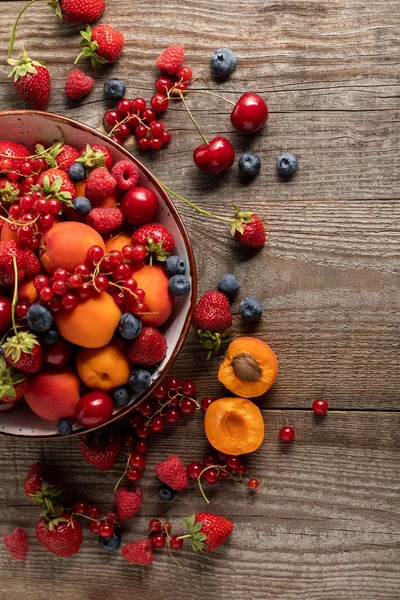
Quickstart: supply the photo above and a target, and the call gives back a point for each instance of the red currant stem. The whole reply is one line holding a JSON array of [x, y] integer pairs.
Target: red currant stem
[[149, 420], [14, 30], [38, 155], [205, 140], [19, 223], [196, 208], [15, 296], [88, 518], [210, 94], [124, 473]]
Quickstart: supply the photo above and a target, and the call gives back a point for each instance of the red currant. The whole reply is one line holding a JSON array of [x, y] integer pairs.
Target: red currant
[[119, 298], [95, 253], [124, 107], [144, 144], [137, 461], [233, 462], [80, 507], [181, 86], [111, 118], [46, 294], [128, 440], [139, 104], [141, 446], [55, 305], [95, 527], [172, 384], [156, 128], [143, 432], [167, 526], [172, 416], [106, 529], [101, 283], [211, 476], [82, 269], [21, 309], [159, 102], [25, 233], [45, 222], [130, 284], [205, 403], [188, 388], [174, 401], [149, 115], [94, 512], [287, 434], [140, 294], [157, 424], [253, 484], [15, 211], [26, 202], [155, 143], [84, 292], [133, 121], [160, 394], [60, 274], [209, 460], [139, 252], [122, 131], [176, 542], [40, 282], [163, 84], [187, 406], [112, 517], [320, 407], [193, 470], [76, 281], [69, 301], [155, 525], [146, 409], [41, 206], [166, 137], [141, 131], [54, 206], [184, 74], [159, 540], [134, 475], [136, 421]]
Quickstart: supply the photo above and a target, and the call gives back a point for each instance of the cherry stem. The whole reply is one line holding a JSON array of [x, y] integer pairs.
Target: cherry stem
[[205, 140], [210, 94], [14, 30], [124, 473], [15, 296]]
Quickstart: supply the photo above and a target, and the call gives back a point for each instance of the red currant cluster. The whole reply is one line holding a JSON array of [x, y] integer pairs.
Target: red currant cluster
[[160, 534], [99, 525], [32, 216], [134, 117], [29, 169]]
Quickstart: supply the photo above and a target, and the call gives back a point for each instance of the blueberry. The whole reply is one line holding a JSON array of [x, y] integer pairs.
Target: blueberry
[[122, 395], [249, 164], [77, 172], [223, 61], [129, 326], [165, 493], [175, 265], [2, 351], [114, 88], [286, 164], [179, 285], [228, 284], [139, 380], [250, 309], [50, 337], [39, 318], [65, 427], [111, 543], [82, 206]]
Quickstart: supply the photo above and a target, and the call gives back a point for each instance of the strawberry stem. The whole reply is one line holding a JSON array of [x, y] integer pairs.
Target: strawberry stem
[[14, 30], [205, 140]]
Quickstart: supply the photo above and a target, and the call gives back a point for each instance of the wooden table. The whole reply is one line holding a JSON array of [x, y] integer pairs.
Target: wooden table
[[325, 526]]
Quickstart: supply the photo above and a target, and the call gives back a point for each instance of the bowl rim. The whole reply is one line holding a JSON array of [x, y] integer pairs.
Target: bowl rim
[[192, 263]]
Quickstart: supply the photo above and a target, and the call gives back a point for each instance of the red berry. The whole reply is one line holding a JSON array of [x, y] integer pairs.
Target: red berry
[[144, 144], [224, 474], [188, 388], [159, 540], [75, 281], [121, 272], [139, 104], [95, 527], [128, 441], [26, 202], [205, 403], [94, 409], [25, 233], [60, 274], [172, 416], [241, 469], [166, 136], [55, 305], [143, 432], [209, 460], [130, 284], [137, 461], [111, 118], [134, 475], [155, 143], [127, 252], [40, 282], [193, 470], [181, 86], [167, 526], [320, 407], [187, 406], [115, 257], [80, 507], [172, 384], [106, 529], [124, 107], [160, 393], [175, 542], [139, 252], [149, 115], [174, 401], [26, 168], [94, 512], [122, 131], [59, 287], [287, 434], [94, 254], [155, 525], [233, 462], [141, 131], [101, 283], [41, 206], [141, 446], [146, 409], [157, 424], [82, 269], [184, 74], [163, 84], [253, 484], [45, 222], [15, 211], [156, 128], [84, 292], [46, 294], [133, 121], [159, 102], [119, 298], [21, 309], [54, 206], [112, 517], [211, 476], [136, 421]]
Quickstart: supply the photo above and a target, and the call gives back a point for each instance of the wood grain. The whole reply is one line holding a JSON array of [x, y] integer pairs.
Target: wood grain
[[325, 526]]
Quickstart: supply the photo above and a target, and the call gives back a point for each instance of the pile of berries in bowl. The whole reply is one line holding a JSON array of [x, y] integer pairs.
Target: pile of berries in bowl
[[97, 278]]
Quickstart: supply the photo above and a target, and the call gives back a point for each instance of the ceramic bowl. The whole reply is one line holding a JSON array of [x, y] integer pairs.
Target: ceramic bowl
[[28, 127]]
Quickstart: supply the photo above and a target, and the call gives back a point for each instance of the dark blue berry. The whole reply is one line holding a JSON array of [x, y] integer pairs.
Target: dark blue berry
[[82, 206], [129, 326], [249, 164], [114, 89], [139, 380], [111, 543], [250, 309], [65, 427], [165, 493], [179, 285], [228, 284], [122, 396], [286, 164], [39, 318], [77, 172], [223, 61], [50, 337], [2, 351], [175, 265]]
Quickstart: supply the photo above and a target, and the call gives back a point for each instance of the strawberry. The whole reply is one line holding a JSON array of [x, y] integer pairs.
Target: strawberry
[[149, 348], [157, 240], [78, 11], [128, 502], [17, 544], [38, 475], [15, 153], [24, 352], [55, 183], [106, 219], [61, 535], [172, 472], [99, 184], [94, 156], [31, 81], [9, 191], [78, 84], [248, 229], [171, 59], [103, 44], [100, 450], [27, 262], [213, 320], [139, 552], [13, 384], [208, 531], [58, 156]]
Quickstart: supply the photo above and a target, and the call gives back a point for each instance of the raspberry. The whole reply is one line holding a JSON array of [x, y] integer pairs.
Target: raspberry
[[106, 219], [17, 543], [172, 472], [100, 184], [78, 84], [128, 502], [126, 174], [139, 552], [171, 59]]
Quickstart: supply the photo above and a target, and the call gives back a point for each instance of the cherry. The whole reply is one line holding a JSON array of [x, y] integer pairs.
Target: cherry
[[80, 507], [141, 446], [21, 309], [157, 424], [250, 113], [5, 314], [134, 475], [176, 542], [193, 470], [320, 407], [94, 512], [159, 540], [184, 74], [172, 416], [211, 476], [215, 157], [205, 403], [94, 409], [187, 406], [124, 107], [139, 205], [163, 84], [188, 388], [139, 104], [253, 484], [172, 384], [106, 529], [287, 434], [155, 525], [58, 354], [159, 102]]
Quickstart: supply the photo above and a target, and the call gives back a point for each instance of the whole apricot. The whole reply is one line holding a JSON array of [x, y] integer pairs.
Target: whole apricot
[[158, 300], [103, 368], [53, 393]]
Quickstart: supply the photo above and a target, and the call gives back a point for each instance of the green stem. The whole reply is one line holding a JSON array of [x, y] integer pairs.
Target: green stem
[[14, 31], [205, 140], [124, 473], [210, 94], [15, 295]]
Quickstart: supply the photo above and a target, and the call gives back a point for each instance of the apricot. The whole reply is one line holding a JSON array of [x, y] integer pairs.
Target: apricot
[[53, 393], [103, 368], [27, 291], [66, 244], [117, 241], [234, 426], [92, 323], [250, 367], [159, 301]]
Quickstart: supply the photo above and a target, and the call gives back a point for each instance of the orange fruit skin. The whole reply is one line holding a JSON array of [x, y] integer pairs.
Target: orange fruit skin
[[53, 393], [234, 426], [154, 281], [27, 291], [92, 323], [110, 200], [117, 241], [7, 233], [66, 244], [103, 368]]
